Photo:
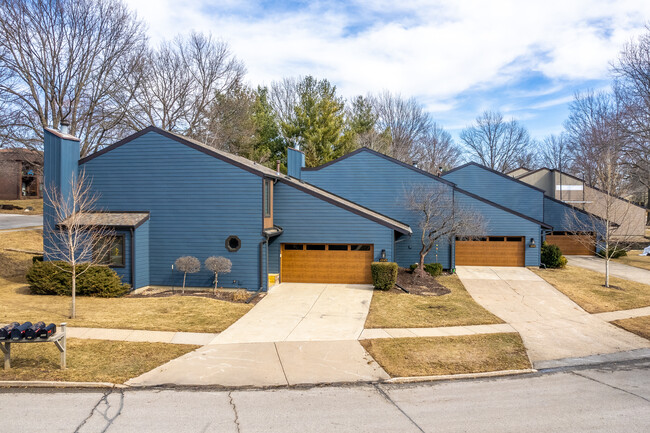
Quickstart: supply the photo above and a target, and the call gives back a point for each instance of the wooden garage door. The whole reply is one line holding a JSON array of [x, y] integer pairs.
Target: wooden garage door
[[491, 251], [572, 244], [326, 263]]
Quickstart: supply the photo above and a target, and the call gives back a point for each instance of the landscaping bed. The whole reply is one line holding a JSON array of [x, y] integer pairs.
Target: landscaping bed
[[431, 356], [425, 285], [396, 309], [239, 296], [586, 288], [90, 360], [637, 325]]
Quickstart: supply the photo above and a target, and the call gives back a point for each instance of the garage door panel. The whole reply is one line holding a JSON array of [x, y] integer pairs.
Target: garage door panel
[[326, 266], [572, 244], [491, 252]]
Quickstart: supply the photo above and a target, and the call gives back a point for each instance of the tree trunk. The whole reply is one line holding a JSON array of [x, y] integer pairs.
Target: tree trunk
[[420, 269], [73, 309], [183, 289], [215, 283], [607, 272]]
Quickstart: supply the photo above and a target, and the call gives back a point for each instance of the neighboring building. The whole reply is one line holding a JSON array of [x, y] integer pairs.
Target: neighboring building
[[630, 218], [167, 196], [20, 174]]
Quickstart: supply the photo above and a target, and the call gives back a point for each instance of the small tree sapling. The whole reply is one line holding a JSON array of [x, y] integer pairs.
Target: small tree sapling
[[218, 265], [187, 265]]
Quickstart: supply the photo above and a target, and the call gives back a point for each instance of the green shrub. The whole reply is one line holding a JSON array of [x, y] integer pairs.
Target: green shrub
[[552, 256], [384, 275], [434, 269], [563, 262], [48, 278], [614, 253]]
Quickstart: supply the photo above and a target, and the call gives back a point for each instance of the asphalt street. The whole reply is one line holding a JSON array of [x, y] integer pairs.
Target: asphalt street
[[12, 221], [607, 398]]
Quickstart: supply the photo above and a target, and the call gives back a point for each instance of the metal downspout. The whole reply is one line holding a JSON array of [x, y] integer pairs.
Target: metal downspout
[[132, 258]]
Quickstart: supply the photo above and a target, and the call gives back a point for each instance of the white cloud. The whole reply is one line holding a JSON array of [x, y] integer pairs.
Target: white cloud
[[430, 49]]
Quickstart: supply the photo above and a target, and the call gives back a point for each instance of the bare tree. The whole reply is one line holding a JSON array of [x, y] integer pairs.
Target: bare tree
[[67, 60], [70, 235], [405, 120], [230, 125], [554, 152], [181, 81], [496, 143], [440, 217], [632, 88], [437, 151], [283, 96], [187, 265], [218, 265]]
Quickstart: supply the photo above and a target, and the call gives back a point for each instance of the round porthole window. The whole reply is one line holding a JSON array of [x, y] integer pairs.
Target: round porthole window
[[233, 243]]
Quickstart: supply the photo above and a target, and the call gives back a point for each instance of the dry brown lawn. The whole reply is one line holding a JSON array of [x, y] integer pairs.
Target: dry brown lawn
[[586, 289], [175, 313], [402, 310], [432, 356], [89, 360], [634, 259], [637, 325], [37, 204]]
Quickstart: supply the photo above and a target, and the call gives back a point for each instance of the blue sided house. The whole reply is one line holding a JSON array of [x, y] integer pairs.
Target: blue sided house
[[165, 196]]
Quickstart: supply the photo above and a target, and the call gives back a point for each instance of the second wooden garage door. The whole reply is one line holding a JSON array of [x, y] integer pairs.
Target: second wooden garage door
[[326, 263], [572, 244], [491, 251]]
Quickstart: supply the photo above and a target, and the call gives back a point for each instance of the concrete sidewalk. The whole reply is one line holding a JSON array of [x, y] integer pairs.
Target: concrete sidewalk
[[616, 269], [550, 324], [17, 221]]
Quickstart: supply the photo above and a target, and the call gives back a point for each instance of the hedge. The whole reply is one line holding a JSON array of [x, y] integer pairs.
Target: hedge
[[552, 256], [434, 269], [384, 275], [54, 278]]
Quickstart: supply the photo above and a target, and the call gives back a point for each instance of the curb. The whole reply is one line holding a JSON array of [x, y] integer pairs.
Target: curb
[[415, 379], [53, 384]]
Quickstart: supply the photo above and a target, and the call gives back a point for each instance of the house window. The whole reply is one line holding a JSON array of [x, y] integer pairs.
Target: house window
[[267, 198], [233, 244], [109, 251], [359, 247]]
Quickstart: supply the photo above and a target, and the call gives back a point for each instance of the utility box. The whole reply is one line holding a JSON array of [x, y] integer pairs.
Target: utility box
[[274, 279]]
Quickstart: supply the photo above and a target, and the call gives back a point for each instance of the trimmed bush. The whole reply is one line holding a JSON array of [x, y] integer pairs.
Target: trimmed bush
[[47, 278], [552, 256], [384, 275], [434, 269], [563, 262], [614, 253]]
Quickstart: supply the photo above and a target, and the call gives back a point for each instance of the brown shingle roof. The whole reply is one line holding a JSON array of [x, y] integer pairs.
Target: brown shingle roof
[[111, 219]]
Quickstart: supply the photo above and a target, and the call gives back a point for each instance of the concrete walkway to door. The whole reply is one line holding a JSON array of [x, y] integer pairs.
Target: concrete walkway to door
[[616, 269], [297, 334], [550, 324]]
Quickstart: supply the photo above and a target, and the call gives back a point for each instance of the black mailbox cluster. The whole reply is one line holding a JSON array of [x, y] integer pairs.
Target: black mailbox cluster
[[28, 331]]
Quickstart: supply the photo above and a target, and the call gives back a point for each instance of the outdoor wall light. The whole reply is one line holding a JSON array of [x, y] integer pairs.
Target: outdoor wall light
[[532, 243], [383, 256]]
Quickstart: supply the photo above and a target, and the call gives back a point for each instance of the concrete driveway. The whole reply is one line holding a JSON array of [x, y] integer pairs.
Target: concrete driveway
[[297, 334], [303, 312], [616, 269], [550, 324], [15, 221]]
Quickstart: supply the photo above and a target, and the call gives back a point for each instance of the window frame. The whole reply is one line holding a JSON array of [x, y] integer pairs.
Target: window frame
[[231, 249], [266, 198], [116, 238]]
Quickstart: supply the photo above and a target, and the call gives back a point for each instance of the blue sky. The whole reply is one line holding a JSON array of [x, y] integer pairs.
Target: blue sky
[[458, 58]]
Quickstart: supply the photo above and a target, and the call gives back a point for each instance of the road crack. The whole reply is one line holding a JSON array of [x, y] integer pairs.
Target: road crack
[[390, 400], [611, 386], [102, 408], [234, 409]]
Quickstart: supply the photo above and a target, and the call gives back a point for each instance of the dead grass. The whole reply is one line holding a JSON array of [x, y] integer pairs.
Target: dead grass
[[586, 289], [432, 356], [634, 259], [637, 325], [37, 204], [89, 360], [401, 310], [175, 313]]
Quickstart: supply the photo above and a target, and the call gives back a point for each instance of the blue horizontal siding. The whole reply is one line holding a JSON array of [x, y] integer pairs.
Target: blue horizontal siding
[[195, 202], [564, 218], [142, 256], [307, 219], [499, 189]]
